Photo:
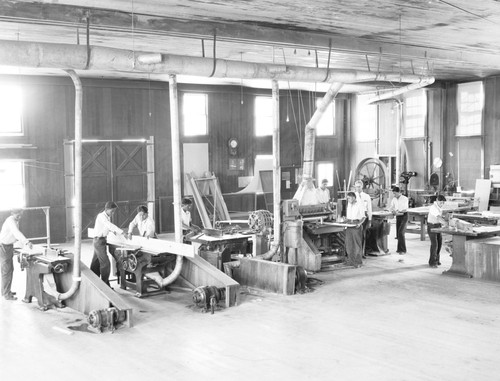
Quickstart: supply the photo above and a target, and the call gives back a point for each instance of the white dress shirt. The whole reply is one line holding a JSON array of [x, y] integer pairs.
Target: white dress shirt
[[399, 205], [186, 219], [366, 200], [435, 214], [323, 195], [146, 226], [103, 226], [355, 211], [10, 232]]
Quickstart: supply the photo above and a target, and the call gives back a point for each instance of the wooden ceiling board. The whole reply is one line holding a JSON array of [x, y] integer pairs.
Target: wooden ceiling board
[[453, 40]]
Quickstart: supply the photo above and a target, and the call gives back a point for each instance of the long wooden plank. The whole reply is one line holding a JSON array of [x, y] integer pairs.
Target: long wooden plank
[[151, 245]]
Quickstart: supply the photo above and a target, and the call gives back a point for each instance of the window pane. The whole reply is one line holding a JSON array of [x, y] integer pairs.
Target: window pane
[[326, 125], [263, 116], [470, 102], [12, 193], [10, 110], [415, 111], [194, 114], [324, 171]]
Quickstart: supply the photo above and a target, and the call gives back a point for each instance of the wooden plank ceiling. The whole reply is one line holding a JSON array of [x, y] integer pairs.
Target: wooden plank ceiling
[[453, 40]]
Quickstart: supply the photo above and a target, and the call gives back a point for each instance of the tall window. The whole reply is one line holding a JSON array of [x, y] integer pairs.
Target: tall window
[[470, 103], [12, 194], [10, 111], [415, 111], [326, 125], [263, 116], [324, 170], [194, 114]]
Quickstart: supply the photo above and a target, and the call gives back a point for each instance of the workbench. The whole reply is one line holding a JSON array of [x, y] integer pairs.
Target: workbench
[[482, 258], [420, 214], [459, 239]]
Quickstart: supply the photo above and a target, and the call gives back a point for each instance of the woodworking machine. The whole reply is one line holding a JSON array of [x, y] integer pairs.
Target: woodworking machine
[[42, 270]]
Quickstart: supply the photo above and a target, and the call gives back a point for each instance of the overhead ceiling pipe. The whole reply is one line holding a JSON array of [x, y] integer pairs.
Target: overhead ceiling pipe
[[394, 93], [63, 56], [78, 187]]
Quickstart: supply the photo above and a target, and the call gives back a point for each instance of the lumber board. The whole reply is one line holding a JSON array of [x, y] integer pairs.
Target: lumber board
[[151, 245], [266, 275]]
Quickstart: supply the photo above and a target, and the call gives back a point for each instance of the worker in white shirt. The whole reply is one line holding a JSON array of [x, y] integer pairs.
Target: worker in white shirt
[[399, 208], [100, 264], [435, 220], [143, 222], [323, 192], [364, 199], [9, 235], [355, 214]]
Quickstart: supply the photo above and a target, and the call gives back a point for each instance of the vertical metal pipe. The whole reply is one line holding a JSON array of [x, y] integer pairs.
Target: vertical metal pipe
[[276, 175], [176, 165], [176, 174], [399, 120], [78, 185], [276, 160]]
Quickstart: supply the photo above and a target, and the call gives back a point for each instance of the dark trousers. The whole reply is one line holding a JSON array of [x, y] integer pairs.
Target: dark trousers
[[436, 243], [401, 222], [100, 264], [7, 267]]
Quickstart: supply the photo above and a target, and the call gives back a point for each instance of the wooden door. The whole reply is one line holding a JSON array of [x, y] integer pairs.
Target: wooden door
[[114, 170]]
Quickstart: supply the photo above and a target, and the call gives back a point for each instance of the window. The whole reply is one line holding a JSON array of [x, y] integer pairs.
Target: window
[[12, 194], [324, 170], [263, 116], [326, 125], [10, 111], [415, 111], [194, 114], [470, 102]]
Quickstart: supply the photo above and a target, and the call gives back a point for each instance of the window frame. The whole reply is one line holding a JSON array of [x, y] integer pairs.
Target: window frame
[[185, 113], [10, 108], [461, 114], [258, 117], [19, 186], [420, 116]]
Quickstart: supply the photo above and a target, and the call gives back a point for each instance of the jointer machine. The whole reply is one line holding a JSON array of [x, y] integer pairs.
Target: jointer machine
[[43, 267], [314, 235]]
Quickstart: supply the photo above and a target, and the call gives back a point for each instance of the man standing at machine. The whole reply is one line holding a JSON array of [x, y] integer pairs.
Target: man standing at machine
[[399, 208], [187, 225], [323, 192], [144, 223], [364, 199], [100, 264], [355, 214], [10, 234]]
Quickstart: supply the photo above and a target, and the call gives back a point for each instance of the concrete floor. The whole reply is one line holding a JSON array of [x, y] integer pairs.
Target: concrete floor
[[392, 319]]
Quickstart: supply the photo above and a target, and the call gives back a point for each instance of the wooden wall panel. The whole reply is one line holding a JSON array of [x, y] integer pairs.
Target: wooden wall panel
[[120, 109]]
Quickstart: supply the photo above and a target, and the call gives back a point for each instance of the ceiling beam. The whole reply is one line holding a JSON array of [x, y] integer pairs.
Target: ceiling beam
[[240, 32]]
